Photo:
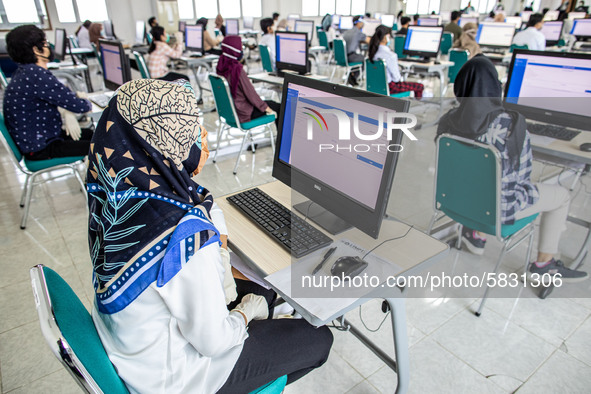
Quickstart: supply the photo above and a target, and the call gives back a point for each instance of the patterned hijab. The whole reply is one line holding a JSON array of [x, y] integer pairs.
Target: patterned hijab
[[147, 216]]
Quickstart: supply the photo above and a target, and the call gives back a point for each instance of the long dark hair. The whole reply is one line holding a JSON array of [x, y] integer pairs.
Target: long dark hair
[[156, 32], [381, 32]]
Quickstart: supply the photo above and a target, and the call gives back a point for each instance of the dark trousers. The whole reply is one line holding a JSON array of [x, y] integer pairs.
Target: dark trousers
[[354, 58], [172, 76], [64, 148], [276, 347], [275, 106]]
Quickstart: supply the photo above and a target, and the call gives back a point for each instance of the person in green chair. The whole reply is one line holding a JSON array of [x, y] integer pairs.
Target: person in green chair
[[532, 36], [160, 53], [467, 40], [327, 27], [379, 49], [170, 314], [482, 117], [268, 38], [352, 38], [404, 24]]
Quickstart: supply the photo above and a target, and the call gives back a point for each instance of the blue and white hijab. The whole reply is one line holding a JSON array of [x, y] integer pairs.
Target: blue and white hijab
[[147, 216]]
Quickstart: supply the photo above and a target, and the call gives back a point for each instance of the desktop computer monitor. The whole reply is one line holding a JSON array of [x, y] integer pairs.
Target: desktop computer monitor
[[467, 19], [194, 38], [307, 27], [428, 21], [445, 16], [551, 15], [108, 28], [514, 20], [140, 32], [182, 26], [581, 28], [576, 15], [497, 35], [336, 21], [346, 22], [423, 41], [525, 15], [388, 20], [552, 31], [116, 70], [291, 51], [60, 44], [248, 22], [351, 184], [377, 15], [370, 26], [551, 87], [232, 28]]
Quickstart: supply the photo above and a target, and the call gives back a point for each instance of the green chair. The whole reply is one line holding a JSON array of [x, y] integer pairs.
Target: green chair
[[340, 56], [33, 168], [149, 38], [323, 41], [73, 41], [459, 57], [395, 27], [561, 42], [70, 333], [376, 79], [141, 65], [229, 119], [266, 58], [471, 195], [446, 42], [513, 47], [3, 80], [399, 46]]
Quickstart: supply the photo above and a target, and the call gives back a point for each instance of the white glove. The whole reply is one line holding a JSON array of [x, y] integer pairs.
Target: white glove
[[229, 283], [70, 124], [82, 95], [253, 307]]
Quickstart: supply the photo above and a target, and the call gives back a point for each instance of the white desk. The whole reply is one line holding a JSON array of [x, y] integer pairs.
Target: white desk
[[429, 67], [413, 254], [194, 64], [70, 71], [275, 80]]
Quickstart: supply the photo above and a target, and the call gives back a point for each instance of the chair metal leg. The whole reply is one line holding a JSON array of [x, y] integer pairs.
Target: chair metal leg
[[272, 137], [529, 249], [217, 145], [25, 188], [252, 145], [346, 77], [240, 152], [334, 69], [29, 187], [485, 296], [80, 181], [459, 240]]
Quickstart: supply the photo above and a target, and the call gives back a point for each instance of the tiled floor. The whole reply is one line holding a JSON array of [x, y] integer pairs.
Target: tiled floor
[[530, 346]]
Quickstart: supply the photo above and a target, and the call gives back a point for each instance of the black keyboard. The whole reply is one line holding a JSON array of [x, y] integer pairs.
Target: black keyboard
[[291, 232], [546, 130]]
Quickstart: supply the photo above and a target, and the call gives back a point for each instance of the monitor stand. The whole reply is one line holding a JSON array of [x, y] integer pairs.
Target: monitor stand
[[325, 219], [422, 60]]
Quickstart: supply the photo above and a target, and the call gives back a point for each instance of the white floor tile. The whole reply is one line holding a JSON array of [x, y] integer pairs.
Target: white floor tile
[[579, 343]]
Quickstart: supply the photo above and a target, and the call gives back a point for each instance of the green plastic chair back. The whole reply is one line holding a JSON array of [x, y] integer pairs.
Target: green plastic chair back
[[141, 65], [340, 52], [323, 39], [77, 328], [459, 57], [513, 47], [266, 58], [399, 46], [3, 80], [446, 42], [15, 151], [376, 79], [149, 38], [223, 99], [74, 41], [561, 42]]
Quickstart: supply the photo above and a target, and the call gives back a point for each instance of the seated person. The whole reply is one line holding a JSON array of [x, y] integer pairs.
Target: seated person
[[268, 38], [209, 43], [352, 39], [532, 36], [415, 19], [499, 17], [379, 49], [467, 40], [34, 99], [282, 25], [95, 33], [176, 321], [160, 53], [404, 24], [453, 26], [219, 24], [152, 22], [83, 35], [327, 27], [247, 102], [482, 117]]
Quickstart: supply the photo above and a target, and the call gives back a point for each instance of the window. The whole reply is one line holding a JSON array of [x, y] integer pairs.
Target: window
[[17, 12], [206, 8], [343, 7], [481, 6], [423, 7], [252, 8], [185, 9], [65, 11], [326, 7], [358, 7], [310, 7], [229, 8], [93, 10]]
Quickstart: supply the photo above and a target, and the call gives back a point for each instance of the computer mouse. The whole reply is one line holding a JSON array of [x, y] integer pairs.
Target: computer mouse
[[350, 266], [586, 147]]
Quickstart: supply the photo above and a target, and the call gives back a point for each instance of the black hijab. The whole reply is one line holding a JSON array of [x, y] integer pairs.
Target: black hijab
[[479, 93]]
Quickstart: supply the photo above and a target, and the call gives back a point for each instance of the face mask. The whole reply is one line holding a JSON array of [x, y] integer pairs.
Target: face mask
[[51, 56], [167, 38]]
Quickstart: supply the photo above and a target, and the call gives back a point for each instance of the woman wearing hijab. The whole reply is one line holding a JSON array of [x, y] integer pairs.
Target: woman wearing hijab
[[481, 117], [248, 104], [168, 311], [467, 40], [94, 33], [209, 43], [219, 24]]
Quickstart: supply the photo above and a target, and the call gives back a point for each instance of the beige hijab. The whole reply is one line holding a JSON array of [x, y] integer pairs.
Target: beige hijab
[[467, 40]]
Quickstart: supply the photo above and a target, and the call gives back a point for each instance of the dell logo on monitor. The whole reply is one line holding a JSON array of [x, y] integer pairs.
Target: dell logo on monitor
[[317, 187]]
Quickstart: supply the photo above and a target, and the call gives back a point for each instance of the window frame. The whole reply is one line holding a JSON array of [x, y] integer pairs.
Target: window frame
[[44, 20], [334, 7]]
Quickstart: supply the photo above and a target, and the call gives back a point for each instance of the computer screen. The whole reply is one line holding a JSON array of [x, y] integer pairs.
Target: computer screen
[[551, 15], [388, 20], [493, 34], [352, 184], [60, 44], [467, 19], [302, 26], [369, 26], [291, 51], [525, 15], [377, 15], [445, 16], [514, 20], [581, 28], [116, 69], [552, 30], [346, 22], [553, 87], [108, 27], [423, 40], [232, 28], [336, 20], [140, 32], [428, 22], [182, 26], [576, 15], [194, 38], [248, 22]]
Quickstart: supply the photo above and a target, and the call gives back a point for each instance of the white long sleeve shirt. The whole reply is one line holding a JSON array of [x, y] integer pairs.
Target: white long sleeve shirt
[[532, 37], [392, 68], [83, 38], [178, 338], [269, 41]]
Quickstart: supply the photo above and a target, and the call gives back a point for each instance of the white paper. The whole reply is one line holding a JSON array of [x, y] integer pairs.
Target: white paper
[[237, 263]]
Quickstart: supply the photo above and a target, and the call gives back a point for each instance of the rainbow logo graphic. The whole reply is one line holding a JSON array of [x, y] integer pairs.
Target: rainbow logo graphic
[[315, 118]]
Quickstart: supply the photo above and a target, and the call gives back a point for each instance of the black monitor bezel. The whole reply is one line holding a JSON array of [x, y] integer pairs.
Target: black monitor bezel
[[492, 24], [364, 218], [191, 48], [579, 36], [184, 23], [64, 46], [542, 114], [311, 36], [426, 17], [554, 42], [237, 24], [124, 59], [301, 69], [421, 53]]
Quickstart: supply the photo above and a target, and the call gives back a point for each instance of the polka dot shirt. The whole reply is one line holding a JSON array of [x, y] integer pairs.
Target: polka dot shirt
[[30, 107]]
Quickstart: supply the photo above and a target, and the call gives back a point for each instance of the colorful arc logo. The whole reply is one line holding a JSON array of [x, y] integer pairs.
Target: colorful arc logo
[[315, 118]]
